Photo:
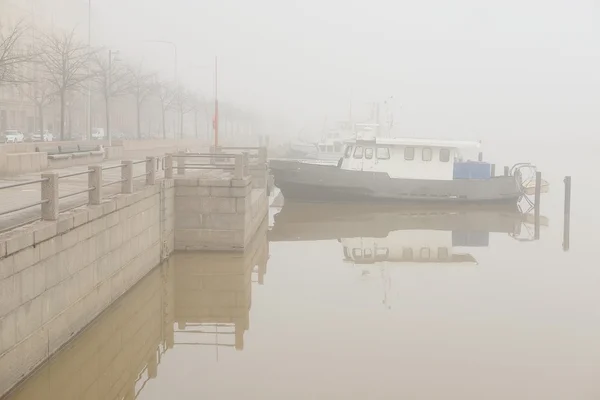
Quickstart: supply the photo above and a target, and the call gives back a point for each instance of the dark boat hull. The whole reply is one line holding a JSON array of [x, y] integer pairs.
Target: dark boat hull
[[325, 183]]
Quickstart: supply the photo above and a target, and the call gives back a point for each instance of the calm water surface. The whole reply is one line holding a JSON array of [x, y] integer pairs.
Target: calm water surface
[[359, 303]]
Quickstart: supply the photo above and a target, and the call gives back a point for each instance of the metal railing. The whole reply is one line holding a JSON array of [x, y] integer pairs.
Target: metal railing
[[214, 161], [50, 197]]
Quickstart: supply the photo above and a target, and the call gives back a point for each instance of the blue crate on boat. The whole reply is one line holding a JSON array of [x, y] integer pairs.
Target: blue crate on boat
[[472, 170]]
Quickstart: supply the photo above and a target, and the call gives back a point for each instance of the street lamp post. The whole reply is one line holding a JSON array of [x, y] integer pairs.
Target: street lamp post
[[108, 94], [89, 88]]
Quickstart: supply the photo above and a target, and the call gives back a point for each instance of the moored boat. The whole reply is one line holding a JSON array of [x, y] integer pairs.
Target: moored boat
[[397, 170]]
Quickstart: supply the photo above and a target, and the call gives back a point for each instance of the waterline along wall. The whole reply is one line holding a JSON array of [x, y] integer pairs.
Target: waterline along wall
[[58, 274]]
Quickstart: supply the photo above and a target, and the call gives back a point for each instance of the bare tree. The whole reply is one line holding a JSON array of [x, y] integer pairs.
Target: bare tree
[[13, 55], [65, 62], [142, 85], [183, 103], [166, 95], [42, 94], [114, 79]]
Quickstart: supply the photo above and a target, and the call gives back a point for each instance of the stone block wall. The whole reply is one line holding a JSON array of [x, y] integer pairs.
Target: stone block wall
[[106, 359], [56, 277], [216, 214]]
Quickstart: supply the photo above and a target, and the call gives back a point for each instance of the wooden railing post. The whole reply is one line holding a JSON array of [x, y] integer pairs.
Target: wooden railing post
[[50, 196]]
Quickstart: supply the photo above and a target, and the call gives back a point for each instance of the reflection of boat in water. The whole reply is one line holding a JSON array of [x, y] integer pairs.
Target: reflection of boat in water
[[373, 233]]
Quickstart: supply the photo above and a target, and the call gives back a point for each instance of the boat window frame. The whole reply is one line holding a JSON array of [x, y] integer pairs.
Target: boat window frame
[[356, 156], [423, 251], [411, 158], [356, 254], [348, 151], [366, 153], [430, 154], [408, 254], [377, 154], [444, 151]]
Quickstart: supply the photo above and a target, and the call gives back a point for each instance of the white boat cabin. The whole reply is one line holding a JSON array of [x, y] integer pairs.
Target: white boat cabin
[[405, 158]]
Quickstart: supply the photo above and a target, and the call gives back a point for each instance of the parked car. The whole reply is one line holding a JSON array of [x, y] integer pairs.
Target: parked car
[[98, 134], [12, 136], [46, 137]]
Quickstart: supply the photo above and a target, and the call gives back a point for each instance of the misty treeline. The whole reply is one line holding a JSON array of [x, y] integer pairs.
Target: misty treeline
[[50, 67]]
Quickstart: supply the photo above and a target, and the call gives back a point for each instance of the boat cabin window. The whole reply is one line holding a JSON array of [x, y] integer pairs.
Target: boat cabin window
[[337, 147], [407, 253], [322, 148], [381, 253], [444, 155], [409, 153], [383, 153], [358, 152], [369, 153], [368, 253], [347, 253], [330, 149], [348, 152], [425, 253], [426, 154], [357, 253]]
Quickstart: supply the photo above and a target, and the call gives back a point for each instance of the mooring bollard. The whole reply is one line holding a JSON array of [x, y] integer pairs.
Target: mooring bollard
[[538, 196], [95, 184], [567, 219], [50, 196], [169, 166], [150, 171], [506, 171]]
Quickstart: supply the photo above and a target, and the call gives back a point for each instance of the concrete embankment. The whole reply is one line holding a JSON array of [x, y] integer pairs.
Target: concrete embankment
[[57, 276]]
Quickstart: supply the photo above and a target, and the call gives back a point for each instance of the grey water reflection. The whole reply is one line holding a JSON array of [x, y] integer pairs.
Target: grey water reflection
[[191, 300], [360, 303]]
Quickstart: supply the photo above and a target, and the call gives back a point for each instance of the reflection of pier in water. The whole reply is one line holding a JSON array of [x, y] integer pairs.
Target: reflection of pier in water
[[376, 233], [174, 305]]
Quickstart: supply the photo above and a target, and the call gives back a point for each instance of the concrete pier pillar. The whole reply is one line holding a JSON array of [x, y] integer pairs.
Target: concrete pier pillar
[[127, 176], [150, 171], [95, 182], [169, 166], [50, 195]]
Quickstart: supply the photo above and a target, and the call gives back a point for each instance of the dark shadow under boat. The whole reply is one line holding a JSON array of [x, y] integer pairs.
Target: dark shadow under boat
[[310, 221]]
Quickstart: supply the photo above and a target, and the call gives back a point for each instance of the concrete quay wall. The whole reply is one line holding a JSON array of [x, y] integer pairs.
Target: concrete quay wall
[[57, 276], [219, 214]]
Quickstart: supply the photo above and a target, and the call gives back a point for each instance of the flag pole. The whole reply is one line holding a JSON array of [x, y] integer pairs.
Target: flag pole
[[216, 121]]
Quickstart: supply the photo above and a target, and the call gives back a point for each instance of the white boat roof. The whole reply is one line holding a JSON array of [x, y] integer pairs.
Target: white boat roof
[[455, 144]]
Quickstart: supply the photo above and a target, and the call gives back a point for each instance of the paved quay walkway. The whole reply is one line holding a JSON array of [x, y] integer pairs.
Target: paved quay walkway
[[16, 197]]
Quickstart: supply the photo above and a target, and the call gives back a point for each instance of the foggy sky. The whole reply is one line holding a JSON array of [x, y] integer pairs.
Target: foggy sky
[[461, 68]]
